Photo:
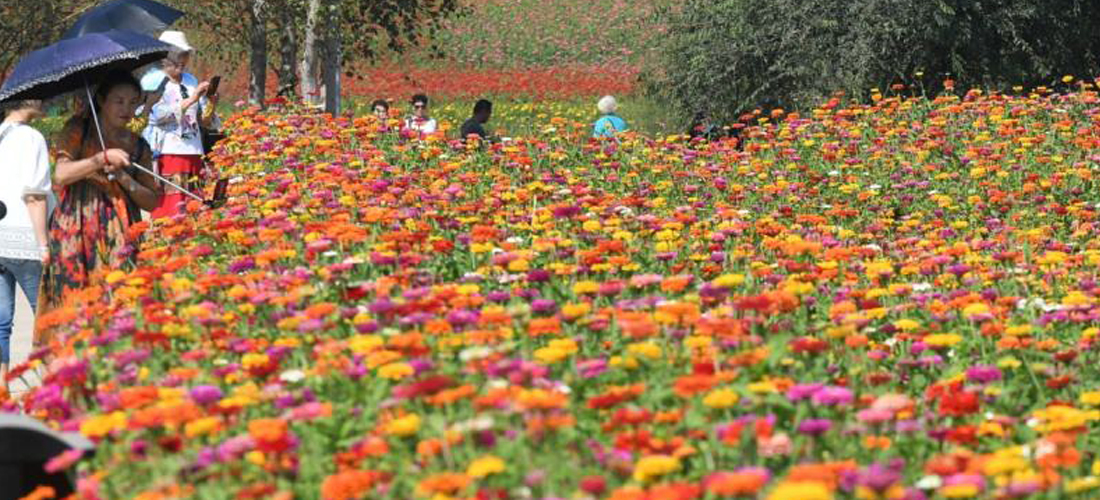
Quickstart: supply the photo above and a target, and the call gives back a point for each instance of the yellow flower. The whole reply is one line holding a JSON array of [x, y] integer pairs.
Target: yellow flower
[[801, 490], [518, 266], [1082, 484], [404, 426], [115, 277], [728, 280], [484, 466], [1091, 398], [942, 339], [102, 425], [645, 349], [975, 309], [906, 324], [583, 287], [205, 425], [550, 355], [721, 398], [959, 491], [574, 311], [254, 360], [654, 466], [396, 371], [762, 387], [365, 344]]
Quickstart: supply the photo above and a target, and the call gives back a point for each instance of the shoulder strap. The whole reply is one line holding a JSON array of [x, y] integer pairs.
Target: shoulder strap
[[4, 129]]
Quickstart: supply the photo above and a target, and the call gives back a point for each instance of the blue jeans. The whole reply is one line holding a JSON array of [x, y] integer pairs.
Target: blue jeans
[[27, 273]]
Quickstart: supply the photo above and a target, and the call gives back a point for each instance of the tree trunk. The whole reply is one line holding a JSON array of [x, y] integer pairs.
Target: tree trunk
[[257, 36], [333, 56], [288, 54], [307, 69]]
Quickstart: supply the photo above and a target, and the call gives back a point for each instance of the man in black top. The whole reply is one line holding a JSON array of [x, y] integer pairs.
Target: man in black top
[[483, 110]]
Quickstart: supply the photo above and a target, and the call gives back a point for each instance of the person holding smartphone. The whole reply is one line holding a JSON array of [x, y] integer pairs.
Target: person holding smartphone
[[185, 107]]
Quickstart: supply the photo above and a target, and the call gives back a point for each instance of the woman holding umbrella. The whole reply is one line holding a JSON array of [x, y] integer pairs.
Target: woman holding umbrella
[[100, 195]]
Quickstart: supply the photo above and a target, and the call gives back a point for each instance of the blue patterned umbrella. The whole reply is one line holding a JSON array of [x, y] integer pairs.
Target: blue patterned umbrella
[[71, 64], [140, 16]]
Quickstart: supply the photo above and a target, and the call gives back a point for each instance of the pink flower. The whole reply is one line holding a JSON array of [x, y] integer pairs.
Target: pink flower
[[63, 461], [779, 444]]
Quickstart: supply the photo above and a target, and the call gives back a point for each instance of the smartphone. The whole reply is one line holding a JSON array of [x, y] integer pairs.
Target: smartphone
[[220, 191], [214, 82]]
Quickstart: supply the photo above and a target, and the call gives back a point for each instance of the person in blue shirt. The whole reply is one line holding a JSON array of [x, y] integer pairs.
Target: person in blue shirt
[[609, 124]]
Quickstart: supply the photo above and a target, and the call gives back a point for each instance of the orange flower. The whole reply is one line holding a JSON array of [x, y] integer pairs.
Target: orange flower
[[270, 434], [446, 483], [690, 385], [349, 485], [743, 483]]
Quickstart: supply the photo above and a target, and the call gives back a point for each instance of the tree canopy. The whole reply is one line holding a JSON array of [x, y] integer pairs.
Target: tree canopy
[[737, 55]]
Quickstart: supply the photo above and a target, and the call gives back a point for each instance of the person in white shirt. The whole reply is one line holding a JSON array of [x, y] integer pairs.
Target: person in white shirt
[[420, 124], [25, 192], [176, 118]]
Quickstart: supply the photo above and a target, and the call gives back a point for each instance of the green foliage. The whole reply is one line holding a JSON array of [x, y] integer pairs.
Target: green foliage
[[538, 33], [26, 25], [737, 55]]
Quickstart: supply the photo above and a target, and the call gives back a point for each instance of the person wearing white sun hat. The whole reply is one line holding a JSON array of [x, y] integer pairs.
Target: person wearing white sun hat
[[174, 120]]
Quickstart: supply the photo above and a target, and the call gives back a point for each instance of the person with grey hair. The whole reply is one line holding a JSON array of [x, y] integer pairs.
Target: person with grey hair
[[175, 120], [25, 192], [610, 123]]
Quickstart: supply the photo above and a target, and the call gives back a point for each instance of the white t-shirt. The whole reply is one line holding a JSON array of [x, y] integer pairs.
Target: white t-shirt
[[424, 127], [176, 132], [25, 168]]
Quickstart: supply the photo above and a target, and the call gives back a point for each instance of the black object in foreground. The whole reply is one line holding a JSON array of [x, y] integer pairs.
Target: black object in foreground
[[25, 446], [3, 210]]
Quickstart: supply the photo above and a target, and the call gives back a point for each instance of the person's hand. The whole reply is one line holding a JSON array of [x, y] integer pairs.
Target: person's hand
[[202, 88], [115, 160]]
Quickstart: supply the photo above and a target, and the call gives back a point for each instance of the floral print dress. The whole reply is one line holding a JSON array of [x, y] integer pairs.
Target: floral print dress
[[89, 232]]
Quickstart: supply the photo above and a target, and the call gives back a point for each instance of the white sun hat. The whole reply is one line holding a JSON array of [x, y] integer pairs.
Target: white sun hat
[[176, 38]]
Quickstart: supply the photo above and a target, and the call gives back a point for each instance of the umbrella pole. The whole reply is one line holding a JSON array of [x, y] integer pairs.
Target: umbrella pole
[[166, 181], [103, 146]]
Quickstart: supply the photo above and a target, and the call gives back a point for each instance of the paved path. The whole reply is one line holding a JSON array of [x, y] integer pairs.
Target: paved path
[[21, 336]]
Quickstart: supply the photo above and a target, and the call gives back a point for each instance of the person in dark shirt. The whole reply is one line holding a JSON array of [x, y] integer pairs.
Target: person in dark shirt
[[483, 110]]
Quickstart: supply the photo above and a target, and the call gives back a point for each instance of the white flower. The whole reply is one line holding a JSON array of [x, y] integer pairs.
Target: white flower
[[743, 213], [292, 376], [834, 173], [874, 187], [515, 240], [929, 482], [921, 287], [497, 384], [330, 253], [472, 353]]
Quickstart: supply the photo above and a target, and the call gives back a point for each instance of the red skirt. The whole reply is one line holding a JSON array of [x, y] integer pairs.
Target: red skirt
[[183, 170]]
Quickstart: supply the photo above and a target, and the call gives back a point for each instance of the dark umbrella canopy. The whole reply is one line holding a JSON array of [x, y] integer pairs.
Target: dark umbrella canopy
[[140, 16], [71, 64]]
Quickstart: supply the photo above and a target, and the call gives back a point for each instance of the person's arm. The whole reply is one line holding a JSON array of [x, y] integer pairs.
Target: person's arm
[[146, 196], [69, 171], [36, 208]]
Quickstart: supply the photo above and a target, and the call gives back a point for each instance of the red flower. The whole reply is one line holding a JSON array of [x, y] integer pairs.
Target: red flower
[[959, 404]]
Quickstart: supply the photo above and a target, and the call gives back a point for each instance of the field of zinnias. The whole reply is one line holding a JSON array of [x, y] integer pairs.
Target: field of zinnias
[[890, 301]]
